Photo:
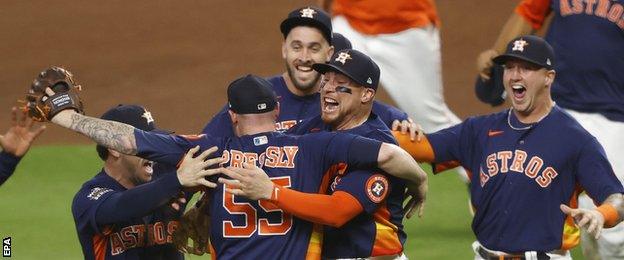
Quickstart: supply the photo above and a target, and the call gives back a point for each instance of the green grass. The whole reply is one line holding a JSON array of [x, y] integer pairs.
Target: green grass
[[35, 209]]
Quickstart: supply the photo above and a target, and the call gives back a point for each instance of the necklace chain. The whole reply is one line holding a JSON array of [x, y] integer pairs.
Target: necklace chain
[[526, 127]]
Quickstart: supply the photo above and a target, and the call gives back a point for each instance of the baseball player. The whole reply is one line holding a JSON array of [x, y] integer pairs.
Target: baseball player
[[247, 228], [587, 37], [366, 206], [16, 142], [407, 49], [529, 164], [307, 40], [121, 213]]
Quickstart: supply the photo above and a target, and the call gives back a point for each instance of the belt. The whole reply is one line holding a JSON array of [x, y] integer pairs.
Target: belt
[[491, 256]]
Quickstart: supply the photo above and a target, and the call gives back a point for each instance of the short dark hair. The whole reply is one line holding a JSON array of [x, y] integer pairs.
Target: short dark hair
[[102, 152]]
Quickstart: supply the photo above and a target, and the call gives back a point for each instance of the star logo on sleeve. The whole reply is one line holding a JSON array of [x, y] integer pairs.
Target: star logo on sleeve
[[148, 116], [519, 45], [343, 57], [308, 12]]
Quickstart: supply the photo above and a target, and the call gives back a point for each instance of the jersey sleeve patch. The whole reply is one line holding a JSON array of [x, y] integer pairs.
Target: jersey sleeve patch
[[377, 188], [97, 192]]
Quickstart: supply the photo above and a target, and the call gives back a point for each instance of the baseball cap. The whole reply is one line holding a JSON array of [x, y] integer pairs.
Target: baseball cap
[[251, 95], [133, 115], [340, 42], [529, 48], [308, 16], [353, 64]]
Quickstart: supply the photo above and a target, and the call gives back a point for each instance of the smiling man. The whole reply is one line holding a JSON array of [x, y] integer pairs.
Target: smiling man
[[529, 165]]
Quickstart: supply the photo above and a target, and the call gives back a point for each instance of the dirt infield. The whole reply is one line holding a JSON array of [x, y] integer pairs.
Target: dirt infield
[[176, 57]]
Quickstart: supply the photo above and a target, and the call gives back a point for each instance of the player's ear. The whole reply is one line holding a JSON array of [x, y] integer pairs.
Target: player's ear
[[233, 116], [367, 95], [284, 50], [330, 53], [114, 153], [550, 77]]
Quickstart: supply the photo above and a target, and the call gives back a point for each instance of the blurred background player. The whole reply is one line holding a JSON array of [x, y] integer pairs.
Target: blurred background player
[[588, 40], [16, 142], [407, 49], [122, 213], [307, 35]]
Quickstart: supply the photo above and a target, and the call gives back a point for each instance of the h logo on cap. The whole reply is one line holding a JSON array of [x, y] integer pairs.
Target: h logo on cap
[[519, 45], [343, 57], [308, 12]]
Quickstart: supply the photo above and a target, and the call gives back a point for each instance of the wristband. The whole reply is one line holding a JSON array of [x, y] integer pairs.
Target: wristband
[[610, 214]]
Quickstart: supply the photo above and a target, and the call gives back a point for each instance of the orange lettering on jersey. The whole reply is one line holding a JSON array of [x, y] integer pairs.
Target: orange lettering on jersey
[[140, 231], [251, 158], [589, 6], [237, 158], [492, 165], [577, 6], [615, 12], [547, 176], [285, 125], [291, 153], [272, 156], [603, 8], [518, 161], [238, 208], [483, 178], [172, 226], [564, 7], [281, 228], [159, 233], [127, 237], [535, 164], [504, 156], [226, 157], [117, 246]]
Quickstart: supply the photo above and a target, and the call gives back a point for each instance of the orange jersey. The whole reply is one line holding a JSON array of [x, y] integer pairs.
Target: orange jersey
[[379, 16], [534, 11]]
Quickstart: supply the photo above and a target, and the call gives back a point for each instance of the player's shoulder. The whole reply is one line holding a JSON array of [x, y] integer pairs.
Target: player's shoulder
[[566, 124], [93, 190], [277, 82]]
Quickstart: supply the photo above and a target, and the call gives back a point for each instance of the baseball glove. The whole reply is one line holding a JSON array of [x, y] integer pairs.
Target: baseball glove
[[53, 91], [195, 224]]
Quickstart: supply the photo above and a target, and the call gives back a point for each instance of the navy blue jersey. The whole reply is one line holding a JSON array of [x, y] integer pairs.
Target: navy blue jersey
[[294, 109], [8, 162], [520, 177], [588, 39], [140, 237], [245, 229], [378, 230]]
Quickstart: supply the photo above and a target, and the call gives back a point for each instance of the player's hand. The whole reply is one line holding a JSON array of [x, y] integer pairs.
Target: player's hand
[[415, 130], [193, 170], [590, 220], [417, 195], [485, 63], [20, 136], [178, 202], [249, 181]]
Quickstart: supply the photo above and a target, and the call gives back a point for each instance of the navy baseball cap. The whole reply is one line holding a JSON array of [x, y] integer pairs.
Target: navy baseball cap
[[529, 48], [251, 95], [308, 16], [133, 115], [353, 64], [340, 42]]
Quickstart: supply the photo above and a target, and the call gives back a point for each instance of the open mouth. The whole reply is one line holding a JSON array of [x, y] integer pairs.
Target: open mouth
[[148, 166], [330, 104], [519, 91], [304, 68]]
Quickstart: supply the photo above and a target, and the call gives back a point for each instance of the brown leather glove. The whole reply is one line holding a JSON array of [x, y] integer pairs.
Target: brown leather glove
[[195, 224], [53, 91]]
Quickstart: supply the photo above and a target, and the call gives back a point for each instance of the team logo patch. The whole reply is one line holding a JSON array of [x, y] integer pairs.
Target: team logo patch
[[377, 188], [262, 106], [97, 192], [343, 57], [260, 140], [519, 45], [308, 12]]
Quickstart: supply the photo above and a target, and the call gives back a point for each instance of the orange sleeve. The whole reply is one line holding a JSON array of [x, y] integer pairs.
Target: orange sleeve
[[420, 150], [534, 11], [315, 207], [610, 215]]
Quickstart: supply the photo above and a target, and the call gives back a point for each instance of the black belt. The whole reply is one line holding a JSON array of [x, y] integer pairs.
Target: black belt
[[490, 256]]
